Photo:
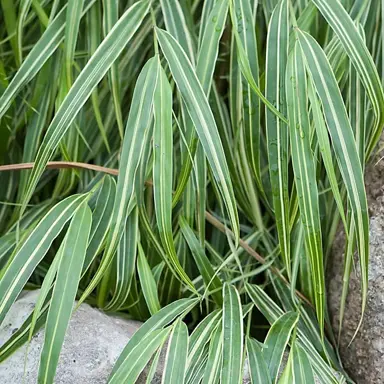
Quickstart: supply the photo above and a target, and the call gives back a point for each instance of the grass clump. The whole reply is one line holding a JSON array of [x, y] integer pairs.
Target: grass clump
[[187, 163]]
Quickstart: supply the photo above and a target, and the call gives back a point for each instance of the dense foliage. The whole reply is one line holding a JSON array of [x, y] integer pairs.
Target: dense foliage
[[188, 163]]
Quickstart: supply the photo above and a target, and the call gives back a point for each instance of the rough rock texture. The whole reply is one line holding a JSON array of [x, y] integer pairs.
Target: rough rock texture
[[364, 359], [92, 345]]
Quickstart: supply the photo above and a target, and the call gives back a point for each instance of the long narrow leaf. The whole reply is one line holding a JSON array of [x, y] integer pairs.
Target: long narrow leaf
[[259, 371], [344, 145], [139, 120], [301, 367], [357, 51], [86, 82], [162, 169], [232, 369], [34, 249], [128, 373], [277, 340], [277, 132], [72, 24], [176, 357], [68, 276], [207, 272], [147, 282], [305, 173], [201, 115], [158, 321]]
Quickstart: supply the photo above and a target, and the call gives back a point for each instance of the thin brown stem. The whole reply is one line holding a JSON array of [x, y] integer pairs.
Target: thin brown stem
[[60, 165], [221, 227]]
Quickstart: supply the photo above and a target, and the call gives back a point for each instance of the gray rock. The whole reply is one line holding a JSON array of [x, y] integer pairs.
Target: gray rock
[[363, 359], [92, 344]]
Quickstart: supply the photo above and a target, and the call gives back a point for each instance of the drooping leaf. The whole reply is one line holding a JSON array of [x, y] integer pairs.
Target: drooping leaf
[[201, 115], [213, 367], [358, 53], [344, 145], [138, 120], [305, 173], [162, 171]]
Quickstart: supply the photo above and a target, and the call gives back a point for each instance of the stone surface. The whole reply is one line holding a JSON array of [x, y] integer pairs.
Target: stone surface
[[92, 344], [364, 358]]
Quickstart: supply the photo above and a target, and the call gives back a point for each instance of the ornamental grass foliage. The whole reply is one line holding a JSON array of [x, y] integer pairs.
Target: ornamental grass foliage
[[188, 164]]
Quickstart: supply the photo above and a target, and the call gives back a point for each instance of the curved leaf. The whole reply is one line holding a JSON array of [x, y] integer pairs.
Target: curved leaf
[[201, 115]]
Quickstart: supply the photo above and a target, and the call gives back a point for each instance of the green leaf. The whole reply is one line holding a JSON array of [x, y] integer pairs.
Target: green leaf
[[85, 83], [176, 25], [126, 261], [40, 53], [10, 22], [211, 281], [232, 369], [287, 375], [246, 70], [110, 18], [344, 145], [72, 24], [201, 115], [213, 367], [165, 316], [209, 39], [245, 26], [34, 248], [45, 291], [276, 341], [273, 312], [152, 371], [209, 44], [139, 120], [301, 367], [277, 132], [259, 371], [94, 25], [199, 340], [176, 357], [23, 11], [325, 149], [305, 173], [22, 335], [358, 53], [64, 293], [163, 171], [101, 218], [206, 62], [128, 373], [147, 282]]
